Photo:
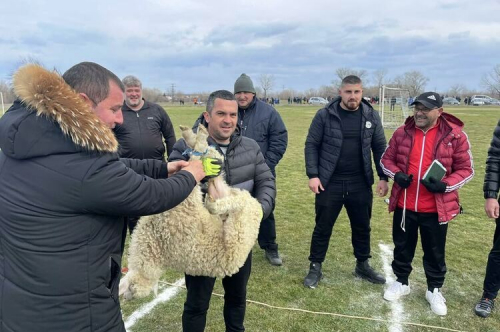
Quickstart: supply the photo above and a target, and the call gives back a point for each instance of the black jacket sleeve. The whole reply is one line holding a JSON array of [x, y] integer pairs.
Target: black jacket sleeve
[[379, 144], [178, 151], [277, 140], [112, 188], [168, 132], [156, 169], [313, 144], [492, 173], [265, 186]]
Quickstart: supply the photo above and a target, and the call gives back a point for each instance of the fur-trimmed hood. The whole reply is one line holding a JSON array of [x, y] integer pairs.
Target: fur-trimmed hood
[[50, 117]]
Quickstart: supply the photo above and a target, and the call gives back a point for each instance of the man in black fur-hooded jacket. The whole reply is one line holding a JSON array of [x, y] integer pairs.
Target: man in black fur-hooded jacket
[[63, 198], [262, 123], [338, 151]]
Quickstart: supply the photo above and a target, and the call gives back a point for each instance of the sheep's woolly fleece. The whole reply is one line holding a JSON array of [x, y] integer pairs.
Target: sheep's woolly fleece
[[209, 238]]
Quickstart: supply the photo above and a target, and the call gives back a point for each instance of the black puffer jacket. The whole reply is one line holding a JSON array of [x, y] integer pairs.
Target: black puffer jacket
[[324, 142], [492, 175], [142, 133], [262, 123], [244, 168], [62, 199]]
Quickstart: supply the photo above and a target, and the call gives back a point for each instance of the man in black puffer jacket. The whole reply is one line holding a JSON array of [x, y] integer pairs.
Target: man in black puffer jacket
[[245, 168], [64, 194], [338, 152], [491, 186], [262, 123]]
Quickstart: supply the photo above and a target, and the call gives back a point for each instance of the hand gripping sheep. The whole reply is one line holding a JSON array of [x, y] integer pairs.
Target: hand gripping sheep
[[210, 237]]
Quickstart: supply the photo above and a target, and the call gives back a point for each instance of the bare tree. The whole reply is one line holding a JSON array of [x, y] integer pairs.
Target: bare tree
[[266, 83], [153, 95], [491, 80], [326, 91], [379, 76], [457, 90], [414, 81], [344, 71], [7, 92], [311, 93]]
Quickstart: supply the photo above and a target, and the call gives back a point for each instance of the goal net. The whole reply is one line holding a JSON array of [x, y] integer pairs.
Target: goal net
[[393, 106]]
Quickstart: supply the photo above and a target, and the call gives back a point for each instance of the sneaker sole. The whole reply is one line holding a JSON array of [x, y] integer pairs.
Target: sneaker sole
[[482, 313], [274, 264], [367, 278], [313, 286], [437, 313], [396, 298]]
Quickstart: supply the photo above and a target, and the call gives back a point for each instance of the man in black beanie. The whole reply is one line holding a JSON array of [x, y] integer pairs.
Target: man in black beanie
[[262, 123]]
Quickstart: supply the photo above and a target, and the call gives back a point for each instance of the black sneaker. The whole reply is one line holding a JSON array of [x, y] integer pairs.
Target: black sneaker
[[273, 257], [365, 271], [314, 276], [484, 307]]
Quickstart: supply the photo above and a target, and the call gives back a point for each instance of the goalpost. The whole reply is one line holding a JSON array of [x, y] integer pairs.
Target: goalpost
[[393, 106]]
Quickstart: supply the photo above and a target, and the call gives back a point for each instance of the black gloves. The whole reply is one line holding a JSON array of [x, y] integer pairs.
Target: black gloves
[[434, 186], [403, 180]]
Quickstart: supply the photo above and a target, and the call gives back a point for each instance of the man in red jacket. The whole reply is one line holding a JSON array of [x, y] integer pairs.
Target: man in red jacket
[[429, 204]]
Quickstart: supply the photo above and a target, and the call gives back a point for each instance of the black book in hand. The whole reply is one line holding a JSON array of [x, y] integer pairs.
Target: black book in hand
[[436, 170]]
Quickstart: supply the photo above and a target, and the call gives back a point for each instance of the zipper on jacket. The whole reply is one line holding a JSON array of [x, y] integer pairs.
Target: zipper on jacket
[[243, 129], [420, 170], [140, 132]]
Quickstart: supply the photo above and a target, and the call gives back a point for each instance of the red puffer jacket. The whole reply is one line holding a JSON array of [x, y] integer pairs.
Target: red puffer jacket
[[452, 149]]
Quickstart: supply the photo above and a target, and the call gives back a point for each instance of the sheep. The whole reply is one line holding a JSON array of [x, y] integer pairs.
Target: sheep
[[200, 237]]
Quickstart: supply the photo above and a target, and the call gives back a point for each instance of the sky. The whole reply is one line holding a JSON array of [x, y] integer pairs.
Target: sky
[[202, 46]]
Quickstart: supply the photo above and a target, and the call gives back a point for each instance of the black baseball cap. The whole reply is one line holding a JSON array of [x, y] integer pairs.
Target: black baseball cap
[[429, 99]]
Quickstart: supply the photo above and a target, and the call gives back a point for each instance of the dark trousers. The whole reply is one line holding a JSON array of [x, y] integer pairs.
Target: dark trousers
[[357, 199], [433, 237], [492, 279], [267, 233], [267, 229], [199, 291], [131, 223]]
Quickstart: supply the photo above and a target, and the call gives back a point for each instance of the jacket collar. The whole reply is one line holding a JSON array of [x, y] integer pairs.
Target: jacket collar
[[46, 93], [125, 107]]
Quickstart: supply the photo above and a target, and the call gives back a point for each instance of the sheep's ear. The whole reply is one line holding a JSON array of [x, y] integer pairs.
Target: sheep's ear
[[188, 136], [201, 138], [202, 129]]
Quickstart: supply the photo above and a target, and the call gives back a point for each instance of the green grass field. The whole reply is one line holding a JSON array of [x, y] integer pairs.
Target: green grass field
[[469, 241]]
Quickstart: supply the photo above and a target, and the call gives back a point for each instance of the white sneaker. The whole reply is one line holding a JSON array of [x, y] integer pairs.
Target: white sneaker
[[395, 291], [437, 302]]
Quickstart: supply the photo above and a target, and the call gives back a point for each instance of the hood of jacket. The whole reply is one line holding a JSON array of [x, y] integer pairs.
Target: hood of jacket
[[50, 117]]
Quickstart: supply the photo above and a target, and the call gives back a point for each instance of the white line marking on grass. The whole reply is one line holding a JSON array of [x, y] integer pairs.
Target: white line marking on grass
[[396, 307], [164, 296]]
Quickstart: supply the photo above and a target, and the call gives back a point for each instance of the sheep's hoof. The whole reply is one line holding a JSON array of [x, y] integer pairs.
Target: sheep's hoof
[[125, 289]]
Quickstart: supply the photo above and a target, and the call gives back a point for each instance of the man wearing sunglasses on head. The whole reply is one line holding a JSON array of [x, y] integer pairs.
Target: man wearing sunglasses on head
[[427, 203]]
